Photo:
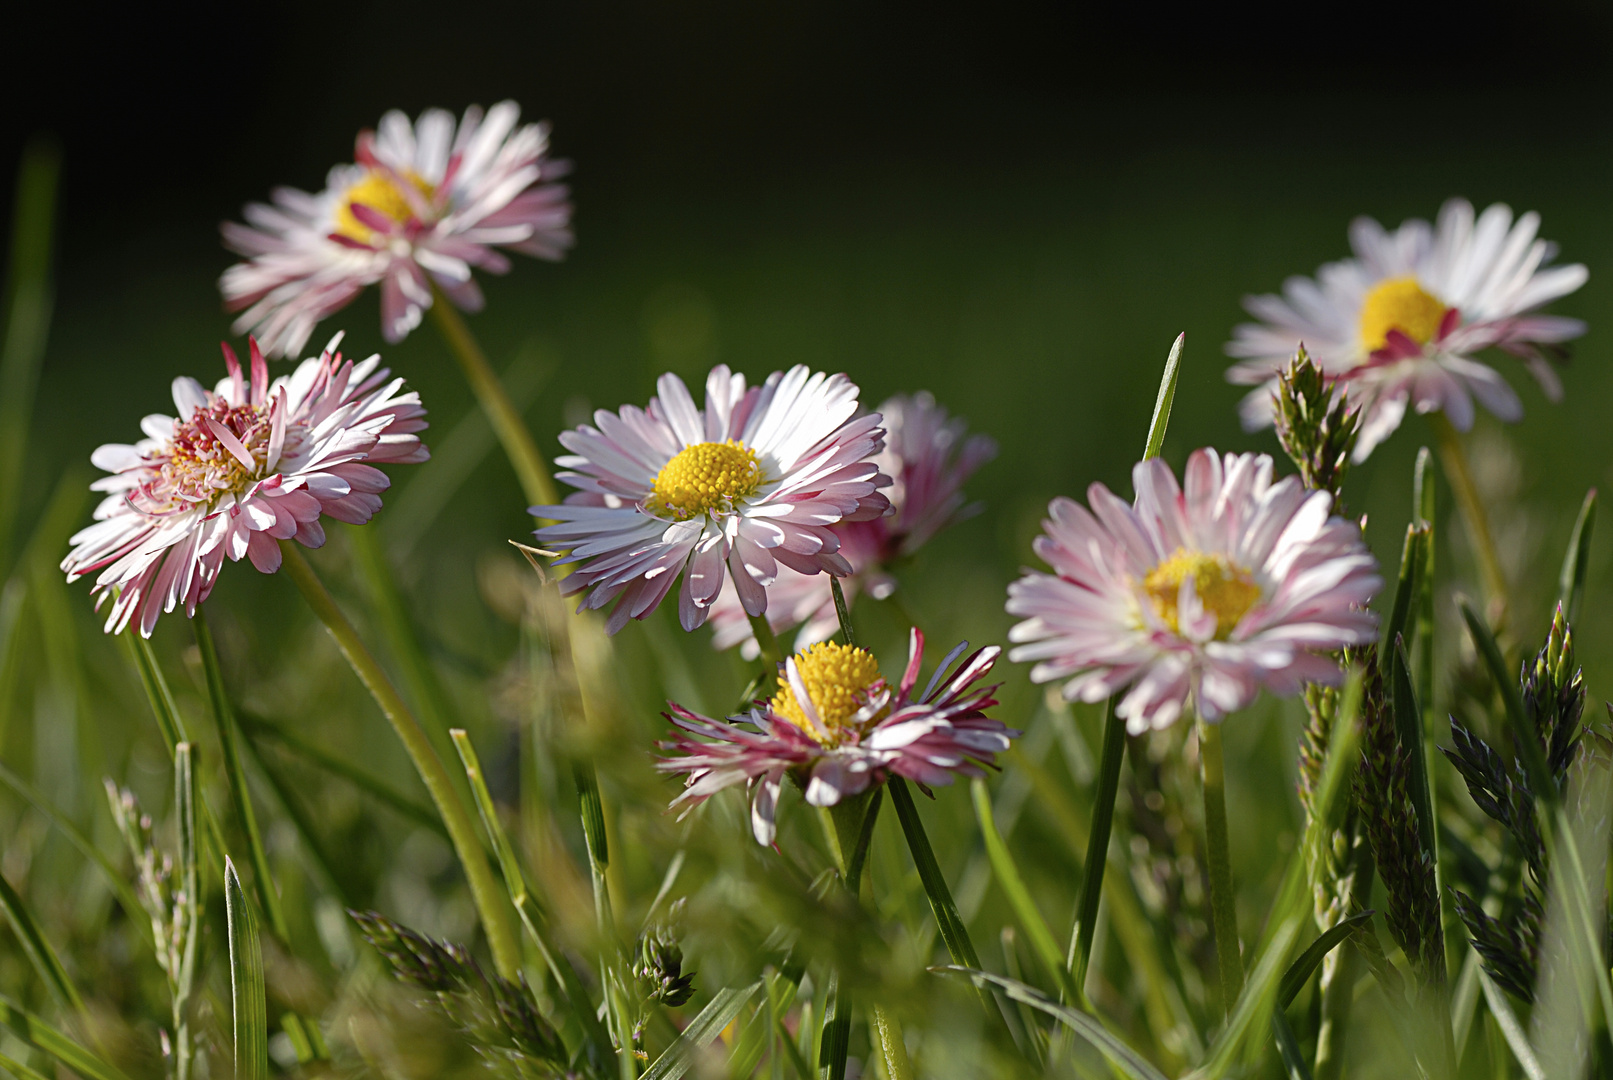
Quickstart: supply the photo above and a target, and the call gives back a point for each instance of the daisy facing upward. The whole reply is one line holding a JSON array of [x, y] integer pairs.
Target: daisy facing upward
[[1401, 321]]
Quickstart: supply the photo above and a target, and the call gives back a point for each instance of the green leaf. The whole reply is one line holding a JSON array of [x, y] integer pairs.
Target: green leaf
[[1013, 886], [1103, 815], [1167, 397], [41, 1036], [246, 982], [1128, 1061], [163, 706], [1299, 971], [1571, 581], [953, 932], [717, 1015], [1527, 742], [1412, 556], [1422, 487], [1511, 1030], [1255, 1005], [44, 959], [190, 883], [1288, 1047], [593, 814]]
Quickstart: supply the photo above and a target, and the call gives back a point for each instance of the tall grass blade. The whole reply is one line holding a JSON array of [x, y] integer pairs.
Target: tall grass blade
[[1254, 1006], [41, 1036], [1019, 897], [163, 706], [1299, 971], [1412, 557], [1571, 581], [706, 1026], [1288, 1048], [1511, 1030], [953, 932], [1097, 852], [39, 951], [188, 901], [240, 796], [19, 1070], [1131, 1064], [246, 982], [1166, 398]]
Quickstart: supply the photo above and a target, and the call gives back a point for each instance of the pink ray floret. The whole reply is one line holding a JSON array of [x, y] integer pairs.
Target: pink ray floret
[[1111, 620], [243, 466]]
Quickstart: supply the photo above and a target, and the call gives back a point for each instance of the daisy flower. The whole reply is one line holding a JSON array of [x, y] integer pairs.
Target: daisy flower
[[747, 486], [1401, 321], [424, 204], [837, 727], [243, 466], [929, 457], [1202, 596]]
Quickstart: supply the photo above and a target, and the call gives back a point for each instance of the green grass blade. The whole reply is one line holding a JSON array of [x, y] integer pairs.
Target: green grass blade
[[41, 1036], [1412, 556], [38, 948], [1523, 734], [719, 1012], [1511, 1030], [953, 932], [592, 808], [1255, 1005], [19, 1070], [1299, 971], [1127, 1061], [1288, 1048], [246, 982], [240, 796], [27, 323], [1422, 487], [188, 901], [1571, 581], [1097, 851], [1013, 886], [163, 706], [1409, 727], [86, 847], [1167, 397]]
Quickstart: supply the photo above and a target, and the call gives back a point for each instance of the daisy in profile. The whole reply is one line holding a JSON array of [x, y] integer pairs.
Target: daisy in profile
[[1194, 598], [928, 454], [424, 204], [746, 487], [240, 468], [1401, 321], [837, 727]]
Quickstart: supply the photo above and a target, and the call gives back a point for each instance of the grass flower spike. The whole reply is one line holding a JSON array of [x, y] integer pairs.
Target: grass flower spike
[[838, 727], [1203, 595], [243, 466], [749, 486], [425, 204], [1402, 319], [928, 457]]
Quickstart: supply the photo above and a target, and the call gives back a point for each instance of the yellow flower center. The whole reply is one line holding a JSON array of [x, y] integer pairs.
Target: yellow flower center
[[838, 679], [1399, 304], [705, 477], [378, 191], [1225, 590]]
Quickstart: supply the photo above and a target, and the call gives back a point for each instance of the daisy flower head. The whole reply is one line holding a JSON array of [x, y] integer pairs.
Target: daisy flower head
[[1401, 320], [1198, 594], [746, 487], [928, 454], [424, 204], [837, 727], [241, 467]]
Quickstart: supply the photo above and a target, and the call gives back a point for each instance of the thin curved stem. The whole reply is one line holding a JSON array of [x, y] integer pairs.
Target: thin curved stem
[[1103, 816], [496, 915], [1223, 909], [1454, 458]]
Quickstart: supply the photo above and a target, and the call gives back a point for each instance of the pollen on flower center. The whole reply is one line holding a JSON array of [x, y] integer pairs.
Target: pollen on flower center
[[838, 678], [705, 477], [379, 191], [1227, 591], [1399, 304], [200, 465]]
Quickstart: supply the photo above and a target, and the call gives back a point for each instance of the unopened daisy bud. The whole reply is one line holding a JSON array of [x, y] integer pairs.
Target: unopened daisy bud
[[1315, 424]]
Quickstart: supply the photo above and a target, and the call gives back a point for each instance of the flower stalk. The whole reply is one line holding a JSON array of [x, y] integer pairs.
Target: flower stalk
[[1454, 458], [1223, 907]]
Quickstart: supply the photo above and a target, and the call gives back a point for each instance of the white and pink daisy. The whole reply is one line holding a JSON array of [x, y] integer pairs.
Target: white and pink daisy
[[928, 455], [243, 466], [746, 487], [1194, 598], [1401, 322], [837, 728], [424, 205]]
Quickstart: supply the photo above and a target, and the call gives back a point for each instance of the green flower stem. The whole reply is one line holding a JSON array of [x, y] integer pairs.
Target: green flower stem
[[519, 447], [1223, 909], [496, 915], [841, 611], [1454, 458], [1086, 918]]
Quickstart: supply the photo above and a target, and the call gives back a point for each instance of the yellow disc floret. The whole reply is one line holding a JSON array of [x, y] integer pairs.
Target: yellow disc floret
[[1227, 591], [1399, 304], [705, 477], [378, 191], [838, 679]]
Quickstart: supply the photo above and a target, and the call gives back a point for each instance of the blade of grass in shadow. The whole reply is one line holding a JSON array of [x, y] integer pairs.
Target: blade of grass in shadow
[[1288, 1048], [19, 1070], [953, 932], [1511, 1030], [1254, 1006], [1571, 581], [163, 706], [1412, 555], [1019, 897], [29, 299], [1122, 1057], [188, 904], [240, 796], [1299, 971], [39, 951], [41, 1036], [246, 982]]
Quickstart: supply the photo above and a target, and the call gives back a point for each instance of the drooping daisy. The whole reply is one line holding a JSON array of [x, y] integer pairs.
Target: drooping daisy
[[745, 486], [838, 727], [424, 205], [1200, 596], [929, 457], [243, 466], [1403, 319]]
